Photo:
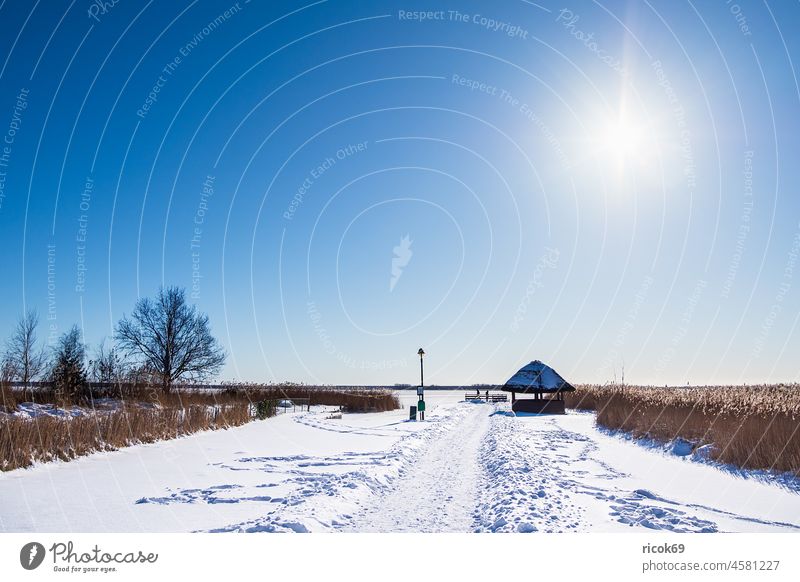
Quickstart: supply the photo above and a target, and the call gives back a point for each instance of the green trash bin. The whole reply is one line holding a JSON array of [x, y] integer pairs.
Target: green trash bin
[[421, 406]]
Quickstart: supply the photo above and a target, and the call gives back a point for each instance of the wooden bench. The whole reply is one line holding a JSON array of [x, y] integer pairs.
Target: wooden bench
[[488, 398]]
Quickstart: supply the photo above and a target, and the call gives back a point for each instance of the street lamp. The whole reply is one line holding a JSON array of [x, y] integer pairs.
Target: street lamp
[[421, 391]]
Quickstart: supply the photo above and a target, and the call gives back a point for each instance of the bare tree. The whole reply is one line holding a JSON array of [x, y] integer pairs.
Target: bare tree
[[23, 360], [171, 337]]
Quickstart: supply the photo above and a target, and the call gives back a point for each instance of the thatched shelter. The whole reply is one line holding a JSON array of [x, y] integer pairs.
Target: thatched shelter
[[544, 383]]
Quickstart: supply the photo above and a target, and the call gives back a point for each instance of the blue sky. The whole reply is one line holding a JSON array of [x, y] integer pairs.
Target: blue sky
[[336, 184]]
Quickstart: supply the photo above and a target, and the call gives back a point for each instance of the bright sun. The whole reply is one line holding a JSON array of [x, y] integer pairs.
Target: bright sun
[[623, 142], [623, 138]]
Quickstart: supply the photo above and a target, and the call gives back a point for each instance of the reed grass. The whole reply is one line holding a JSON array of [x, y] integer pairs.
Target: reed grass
[[116, 416], [750, 427]]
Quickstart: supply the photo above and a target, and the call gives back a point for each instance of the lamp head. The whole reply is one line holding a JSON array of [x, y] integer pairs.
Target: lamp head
[[421, 352]]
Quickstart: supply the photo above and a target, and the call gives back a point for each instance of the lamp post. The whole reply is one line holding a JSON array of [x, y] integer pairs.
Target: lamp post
[[421, 391]]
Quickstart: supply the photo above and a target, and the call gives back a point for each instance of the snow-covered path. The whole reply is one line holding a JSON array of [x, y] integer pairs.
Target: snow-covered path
[[468, 467], [438, 493]]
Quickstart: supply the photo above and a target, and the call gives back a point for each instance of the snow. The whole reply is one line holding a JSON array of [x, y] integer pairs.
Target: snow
[[469, 467], [536, 375], [34, 410], [436, 492], [30, 410]]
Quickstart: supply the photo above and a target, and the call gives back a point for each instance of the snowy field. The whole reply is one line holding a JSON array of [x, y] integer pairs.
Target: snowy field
[[468, 467]]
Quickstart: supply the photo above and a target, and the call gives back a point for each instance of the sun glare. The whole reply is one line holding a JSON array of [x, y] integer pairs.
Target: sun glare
[[623, 142], [622, 138]]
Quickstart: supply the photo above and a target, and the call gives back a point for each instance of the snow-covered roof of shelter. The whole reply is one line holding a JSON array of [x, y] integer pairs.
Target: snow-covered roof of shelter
[[537, 377]]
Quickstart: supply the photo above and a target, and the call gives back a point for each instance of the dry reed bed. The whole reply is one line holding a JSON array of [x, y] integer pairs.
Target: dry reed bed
[[356, 399], [24, 441], [119, 416], [750, 427]]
